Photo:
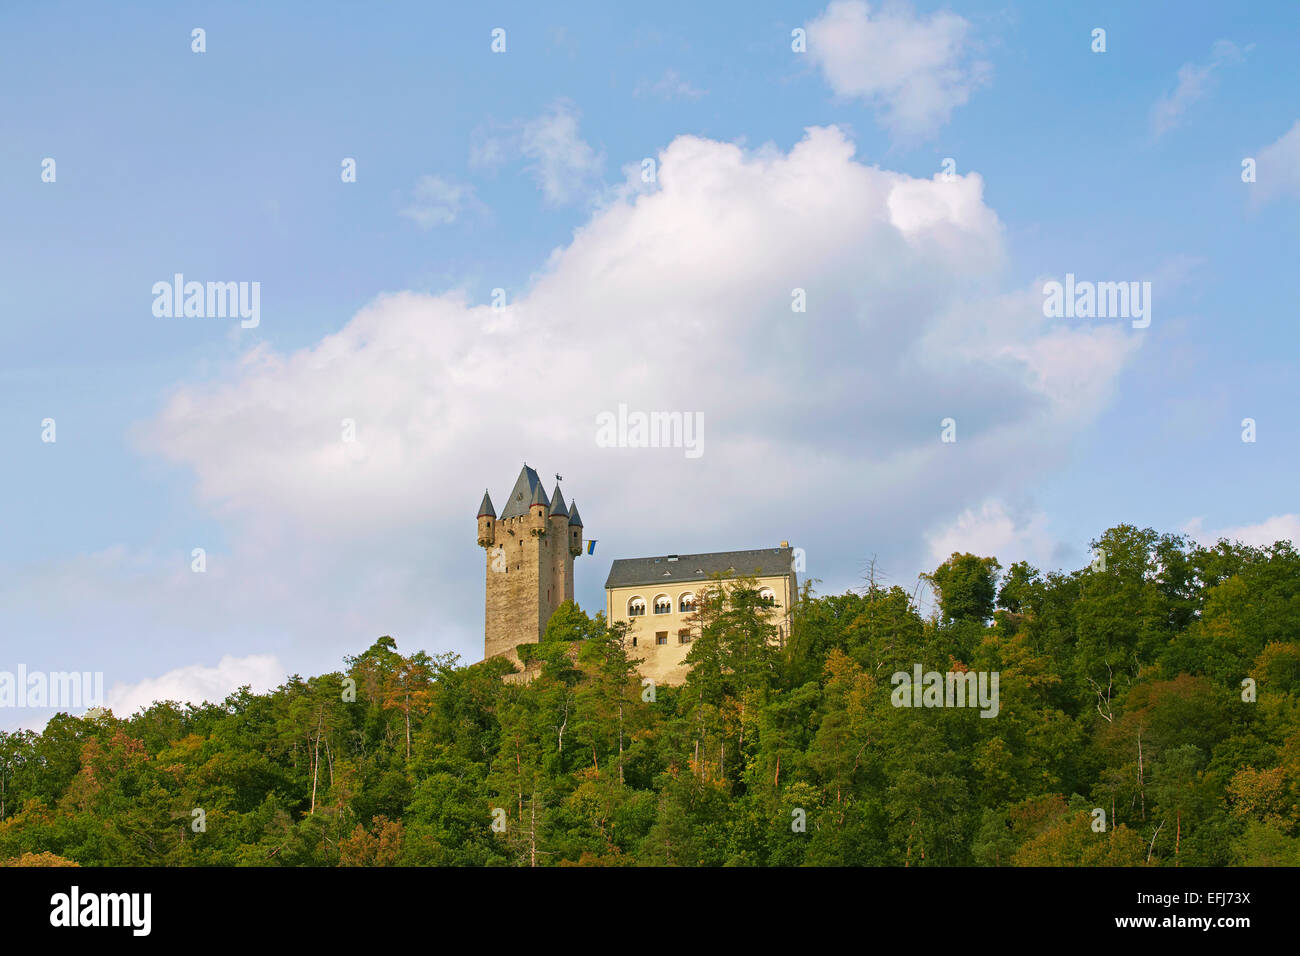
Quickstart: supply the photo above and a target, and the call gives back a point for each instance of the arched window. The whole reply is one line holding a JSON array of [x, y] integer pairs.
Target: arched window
[[686, 603], [636, 606], [663, 604], [767, 596]]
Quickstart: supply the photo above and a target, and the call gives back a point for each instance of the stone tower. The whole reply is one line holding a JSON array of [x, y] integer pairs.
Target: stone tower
[[530, 551]]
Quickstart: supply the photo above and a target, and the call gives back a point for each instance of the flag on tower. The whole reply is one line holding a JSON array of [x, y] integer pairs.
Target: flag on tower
[[591, 546]]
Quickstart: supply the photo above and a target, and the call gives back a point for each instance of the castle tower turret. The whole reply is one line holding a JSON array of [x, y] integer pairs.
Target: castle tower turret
[[558, 508], [562, 560], [575, 531], [487, 522], [529, 564], [557, 518], [537, 511]]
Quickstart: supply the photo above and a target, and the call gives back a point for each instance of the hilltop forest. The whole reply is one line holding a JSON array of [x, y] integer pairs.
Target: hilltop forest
[[1149, 716]]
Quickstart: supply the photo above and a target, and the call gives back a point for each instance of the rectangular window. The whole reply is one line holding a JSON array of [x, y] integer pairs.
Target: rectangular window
[[661, 637], [634, 640], [684, 636]]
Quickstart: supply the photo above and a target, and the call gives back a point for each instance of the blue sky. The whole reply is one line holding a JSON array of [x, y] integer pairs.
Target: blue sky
[[520, 170]]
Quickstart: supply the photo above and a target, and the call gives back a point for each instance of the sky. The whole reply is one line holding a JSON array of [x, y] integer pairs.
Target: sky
[[822, 230]]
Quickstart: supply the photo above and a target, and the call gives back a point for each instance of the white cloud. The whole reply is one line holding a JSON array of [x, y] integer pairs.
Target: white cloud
[[991, 530], [1278, 167], [566, 168], [1266, 532], [437, 202], [194, 684], [198, 683], [1068, 366], [564, 165], [913, 70], [1194, 80], [822, 427]]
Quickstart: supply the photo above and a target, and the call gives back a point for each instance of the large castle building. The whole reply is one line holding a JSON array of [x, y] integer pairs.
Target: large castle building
[[656, 596], [530, 550]]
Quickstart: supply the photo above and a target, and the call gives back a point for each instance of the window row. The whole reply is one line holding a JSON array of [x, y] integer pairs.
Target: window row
[[661, 637], [684, 636], [663, 603]]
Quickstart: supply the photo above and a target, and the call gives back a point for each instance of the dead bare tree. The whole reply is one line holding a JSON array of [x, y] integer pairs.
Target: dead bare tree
[[1152, 848]]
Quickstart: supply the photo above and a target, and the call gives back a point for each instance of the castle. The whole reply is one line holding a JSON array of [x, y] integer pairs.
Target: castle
[[656, 596], [530, 550]]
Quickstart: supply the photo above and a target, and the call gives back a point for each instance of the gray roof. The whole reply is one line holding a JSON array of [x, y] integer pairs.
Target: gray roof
[[575, 519], [539, 496], [522, 494], [558, 507], [486, 507], [681, 568]]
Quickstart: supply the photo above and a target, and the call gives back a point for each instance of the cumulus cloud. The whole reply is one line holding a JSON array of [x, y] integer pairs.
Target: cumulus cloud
[[1278, 167], [994, 530], [1194, 80], [193, 684], [822, 426], [912, 70], [198, 683], [1269, 531]]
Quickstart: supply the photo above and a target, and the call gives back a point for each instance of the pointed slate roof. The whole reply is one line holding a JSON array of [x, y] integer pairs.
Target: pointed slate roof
[[539, 496], [521, 495], [764, 562], [486, 507], [575, 519], [558, 507]]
